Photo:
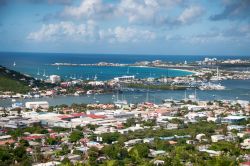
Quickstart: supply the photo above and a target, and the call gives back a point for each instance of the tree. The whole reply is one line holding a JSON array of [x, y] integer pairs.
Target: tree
[[24, 143], [115, 151], [130, 122], [93, 154], [110, 137], [92, 127], [138, 152], [75, 136]]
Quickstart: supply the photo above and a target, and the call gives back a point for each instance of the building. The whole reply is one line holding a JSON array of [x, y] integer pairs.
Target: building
[[216, 138], [37, 104], [124, 78], [55, 79], [233, 119]]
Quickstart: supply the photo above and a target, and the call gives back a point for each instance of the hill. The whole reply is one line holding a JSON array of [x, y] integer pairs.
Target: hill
[[17, 82]]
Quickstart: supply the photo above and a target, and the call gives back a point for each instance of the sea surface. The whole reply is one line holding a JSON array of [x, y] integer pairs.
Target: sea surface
[[38, 65], [29, 63]]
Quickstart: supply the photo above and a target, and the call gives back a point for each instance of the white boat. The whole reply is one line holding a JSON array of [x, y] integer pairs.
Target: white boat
[[38, 72], [210, 86], [120, 102], [44, 73], [95, 78], [14, 64]]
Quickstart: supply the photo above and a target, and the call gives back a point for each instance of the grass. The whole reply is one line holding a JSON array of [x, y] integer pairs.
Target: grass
[[8, 84]]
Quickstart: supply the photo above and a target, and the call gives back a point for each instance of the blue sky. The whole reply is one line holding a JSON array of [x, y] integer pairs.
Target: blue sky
[[170, 27]]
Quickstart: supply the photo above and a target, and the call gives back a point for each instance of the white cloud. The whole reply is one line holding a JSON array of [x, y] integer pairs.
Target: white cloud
[[190, 14], [89, 32], [127, 34], [151, 12], [88, 9], [66, 30]]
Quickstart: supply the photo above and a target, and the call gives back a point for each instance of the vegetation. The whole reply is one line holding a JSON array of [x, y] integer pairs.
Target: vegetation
[[161, 87], [16, 82], [8, 84], [11, 156]]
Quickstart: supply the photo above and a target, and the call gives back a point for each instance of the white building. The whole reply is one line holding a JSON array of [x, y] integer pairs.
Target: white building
[[124, 78], [55, 79], [216, 138], [37, 104]]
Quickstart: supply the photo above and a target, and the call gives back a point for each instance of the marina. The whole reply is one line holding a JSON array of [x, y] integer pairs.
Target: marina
[[236, 89]]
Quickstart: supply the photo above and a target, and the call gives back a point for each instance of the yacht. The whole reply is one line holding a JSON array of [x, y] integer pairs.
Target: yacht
[[120, 102], [14, 64], [44, 73], [95, 78], [210, 86], [38, 72]]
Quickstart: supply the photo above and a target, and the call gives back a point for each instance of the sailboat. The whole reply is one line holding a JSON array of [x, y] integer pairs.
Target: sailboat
[[120, 102], [87, 78], [95, 78], [14, 64], [44, 73], [128, 71], [58, 67], [38, 72]]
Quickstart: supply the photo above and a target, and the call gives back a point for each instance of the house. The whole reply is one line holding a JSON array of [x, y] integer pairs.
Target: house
[[132, 142], [155, 153], [211, 152], [236, 127], [216, 138], [200, 136], [37, 104], [159, 162], [247, 163], [51, 163], [245, 144], [233, 119]]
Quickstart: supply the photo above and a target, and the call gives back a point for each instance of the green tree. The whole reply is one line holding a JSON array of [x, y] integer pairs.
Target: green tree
[[138, 152], [75, 136]]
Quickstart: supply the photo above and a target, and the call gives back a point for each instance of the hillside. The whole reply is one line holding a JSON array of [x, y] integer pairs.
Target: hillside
[[17, 82]]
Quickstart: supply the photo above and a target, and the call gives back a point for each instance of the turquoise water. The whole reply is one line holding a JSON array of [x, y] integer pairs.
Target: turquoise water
[[235, 89], [102, 72], [30, 62], [38, 65]]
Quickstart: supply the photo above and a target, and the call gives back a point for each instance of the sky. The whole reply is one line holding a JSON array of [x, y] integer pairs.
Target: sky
[[159, 27]]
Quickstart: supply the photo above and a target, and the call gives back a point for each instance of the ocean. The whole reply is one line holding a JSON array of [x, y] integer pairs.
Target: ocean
[[29, 63]]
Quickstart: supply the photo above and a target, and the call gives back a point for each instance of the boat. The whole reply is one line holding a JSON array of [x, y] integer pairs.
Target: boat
[[38, 72], [44, 73], [14, 64], [95, 78], [210, 86], [120, 102]]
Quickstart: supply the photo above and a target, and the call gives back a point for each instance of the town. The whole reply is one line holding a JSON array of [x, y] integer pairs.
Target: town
[[184, 132]]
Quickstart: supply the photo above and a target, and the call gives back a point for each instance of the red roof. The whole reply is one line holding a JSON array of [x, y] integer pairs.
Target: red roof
[[78, 114], [33, 137], [9, 141], [93, 116], [65, 116], [245, 163]]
